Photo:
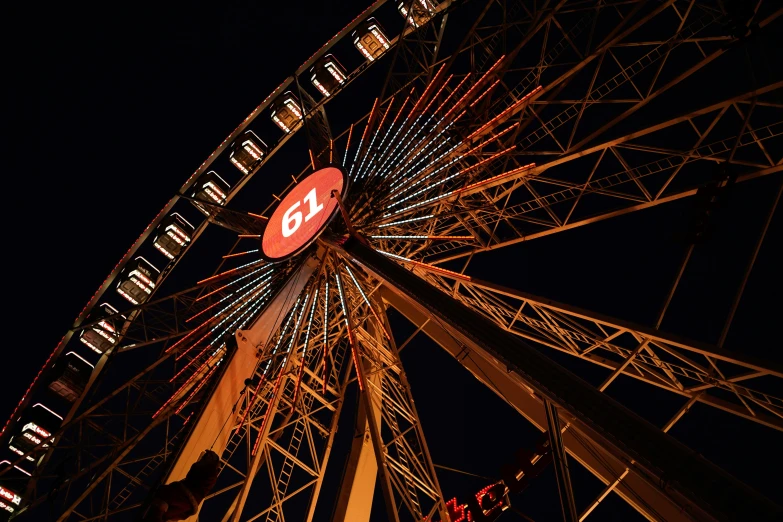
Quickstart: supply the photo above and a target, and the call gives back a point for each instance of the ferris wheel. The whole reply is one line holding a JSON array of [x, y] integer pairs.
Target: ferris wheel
[[490, 124]]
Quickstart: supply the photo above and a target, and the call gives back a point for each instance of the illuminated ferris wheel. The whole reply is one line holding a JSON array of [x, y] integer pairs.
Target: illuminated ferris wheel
[[495, 123]]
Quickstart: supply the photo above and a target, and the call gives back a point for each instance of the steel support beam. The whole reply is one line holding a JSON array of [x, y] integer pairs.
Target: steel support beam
[[649, 500], [702, 489], [560, 463]]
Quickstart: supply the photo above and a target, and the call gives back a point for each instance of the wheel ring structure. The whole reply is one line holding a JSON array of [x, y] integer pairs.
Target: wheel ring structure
[[477, 150]]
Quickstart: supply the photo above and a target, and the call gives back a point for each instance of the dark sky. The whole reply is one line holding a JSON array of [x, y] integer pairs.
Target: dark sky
[[111, 110]]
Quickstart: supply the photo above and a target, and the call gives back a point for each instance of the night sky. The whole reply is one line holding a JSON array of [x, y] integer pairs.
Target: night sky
[[111, 110]]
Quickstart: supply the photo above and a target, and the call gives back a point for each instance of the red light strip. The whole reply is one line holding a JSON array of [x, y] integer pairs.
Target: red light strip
[[426, 90], [367, 301], [487, 91], [522, 100], [475, 86], [325, 348], [192, 332], [452, 93], [440, 90], [268, 412], [227, 272], [180, 389], [374, 136], [240, 253], [204, 310], [195, 390], [304, 352], [348, 144], [250, 404], [235, 281], [253, 235], [495, 178], [425, 237], [351, 340]]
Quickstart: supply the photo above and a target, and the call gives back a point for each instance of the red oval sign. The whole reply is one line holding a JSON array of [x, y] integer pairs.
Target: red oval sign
[[303, 214]]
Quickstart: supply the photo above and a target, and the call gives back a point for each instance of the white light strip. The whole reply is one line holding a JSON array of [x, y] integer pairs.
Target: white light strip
[[403, 221]]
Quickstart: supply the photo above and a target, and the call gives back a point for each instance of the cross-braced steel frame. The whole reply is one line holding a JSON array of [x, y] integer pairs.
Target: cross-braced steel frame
[[516, 121]]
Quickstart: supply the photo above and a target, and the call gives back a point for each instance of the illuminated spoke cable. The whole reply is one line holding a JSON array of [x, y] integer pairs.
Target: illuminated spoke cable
[[364, 134], [404, 221], [351, 340], [229, 316], [262, 377], [428, 267], [359, 173], [381, 149], [425, 237], [223, 274], [302, 360], [277, 389], [326, 334], [400, 190], [443, 180], [240, 253], [238, 279], [367, 302]]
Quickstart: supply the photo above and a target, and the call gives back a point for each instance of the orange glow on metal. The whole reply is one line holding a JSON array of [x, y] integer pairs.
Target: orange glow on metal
[[248, 235], [331, 149], [312, 161], [259, 216]]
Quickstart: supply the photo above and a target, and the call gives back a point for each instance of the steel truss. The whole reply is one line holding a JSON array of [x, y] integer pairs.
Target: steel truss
[[556, 135]]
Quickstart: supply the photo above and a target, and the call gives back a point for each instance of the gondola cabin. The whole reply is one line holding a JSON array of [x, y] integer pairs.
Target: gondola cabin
[[105, 332], [138, 280], [173, 235], [9, 499], [420, 11], [327, 75], [287, 111], [370, 39], [210, 188], [247, 152], [35, 428], [71, 374]]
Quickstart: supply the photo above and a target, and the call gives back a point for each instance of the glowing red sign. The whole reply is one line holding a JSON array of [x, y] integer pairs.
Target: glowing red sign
[[303, 214]]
